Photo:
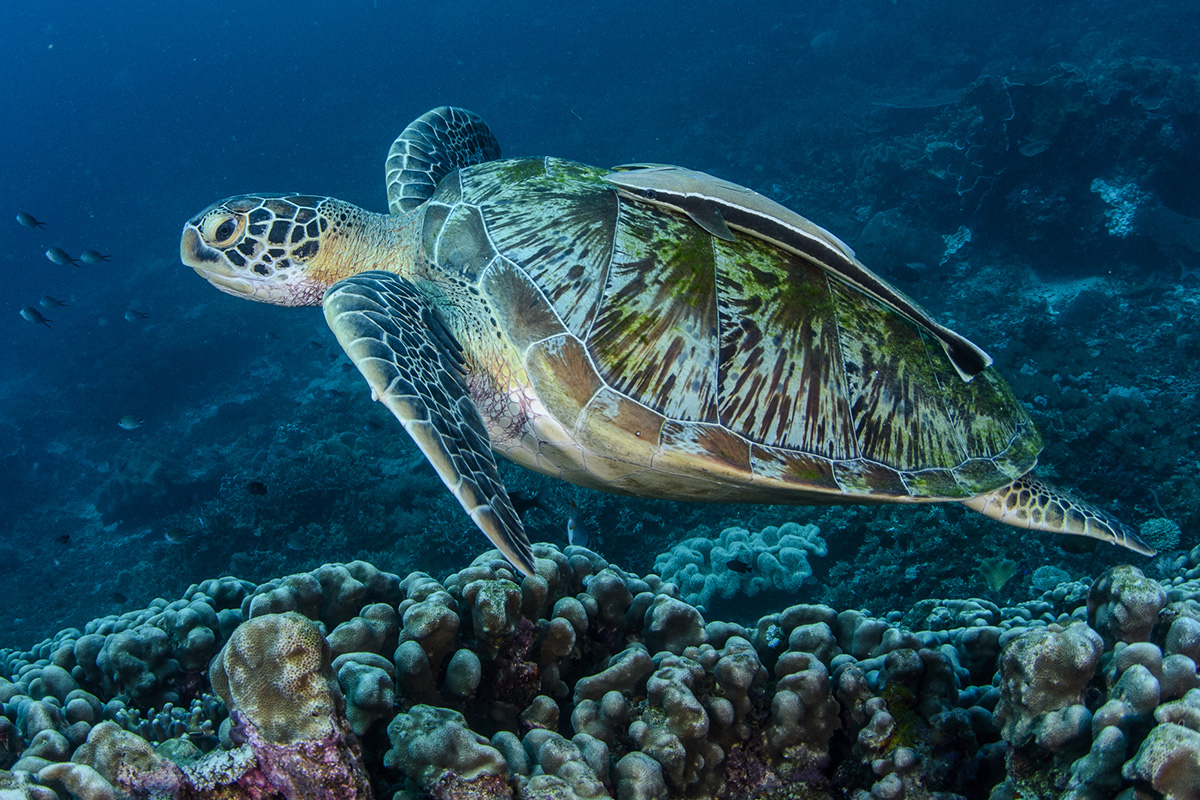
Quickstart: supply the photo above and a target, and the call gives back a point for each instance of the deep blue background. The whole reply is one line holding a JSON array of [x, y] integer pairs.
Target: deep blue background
[[121, 120]]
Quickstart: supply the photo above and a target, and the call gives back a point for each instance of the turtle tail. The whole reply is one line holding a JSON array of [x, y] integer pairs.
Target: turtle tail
[[1029, 503], [430, 148]]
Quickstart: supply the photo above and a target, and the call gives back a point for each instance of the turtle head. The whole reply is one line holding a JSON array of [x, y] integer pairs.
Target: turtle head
[[284, 249]]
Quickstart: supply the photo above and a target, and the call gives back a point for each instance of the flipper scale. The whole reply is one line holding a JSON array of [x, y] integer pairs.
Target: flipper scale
[[1030, 503]]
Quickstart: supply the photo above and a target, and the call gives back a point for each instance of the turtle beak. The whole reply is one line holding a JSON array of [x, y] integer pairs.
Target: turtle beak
[[193, 252], [210, 264]]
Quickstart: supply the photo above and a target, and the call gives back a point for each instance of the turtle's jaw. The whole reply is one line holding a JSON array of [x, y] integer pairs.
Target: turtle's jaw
[[296, 293], [240, 287]]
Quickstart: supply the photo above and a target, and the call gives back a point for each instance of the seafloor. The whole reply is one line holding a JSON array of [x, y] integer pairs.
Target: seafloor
[[929, 652], [586, 681]]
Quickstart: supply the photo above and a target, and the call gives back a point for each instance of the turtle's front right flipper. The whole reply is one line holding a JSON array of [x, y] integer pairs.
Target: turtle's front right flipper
[[414, 365], [1029, 503]]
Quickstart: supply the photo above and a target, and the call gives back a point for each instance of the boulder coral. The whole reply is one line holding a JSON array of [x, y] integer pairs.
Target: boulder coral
[[276, 677], [585, 681], [741, 563]]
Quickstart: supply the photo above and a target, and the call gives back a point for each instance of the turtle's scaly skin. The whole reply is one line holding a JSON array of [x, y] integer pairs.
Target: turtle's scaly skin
[[615, 344]]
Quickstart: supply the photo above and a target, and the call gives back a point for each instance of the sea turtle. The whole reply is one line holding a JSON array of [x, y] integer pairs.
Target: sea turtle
[[610, 328]]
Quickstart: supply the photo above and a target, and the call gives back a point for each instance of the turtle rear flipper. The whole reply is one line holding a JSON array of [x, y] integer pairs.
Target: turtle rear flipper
[[414, 365], [432, 146], [1029, 503]]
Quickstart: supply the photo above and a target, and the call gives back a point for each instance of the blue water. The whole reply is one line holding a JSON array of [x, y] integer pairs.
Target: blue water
[[121, 120]]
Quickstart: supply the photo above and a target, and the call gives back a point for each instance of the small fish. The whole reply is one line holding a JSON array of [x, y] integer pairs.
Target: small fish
[[577, 531], [129, 422], [59, 256], [1076, 544], [64, 539], [133, 315], [92, 257], [51, 302], [256, 488], [526, 501], [176, 535], [28, 220], [737, 565], [118, 598], [33, 315]]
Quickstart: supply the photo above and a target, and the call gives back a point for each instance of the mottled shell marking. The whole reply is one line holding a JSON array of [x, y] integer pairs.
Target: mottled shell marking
[[558, 228], [655, 332], [682, 357], [782, 375]]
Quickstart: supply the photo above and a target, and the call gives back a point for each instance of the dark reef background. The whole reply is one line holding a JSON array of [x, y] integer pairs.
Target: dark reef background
[[1026, 170]]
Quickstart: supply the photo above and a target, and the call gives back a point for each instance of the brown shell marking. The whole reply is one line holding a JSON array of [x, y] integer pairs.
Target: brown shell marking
[[559, 231], [894, 391], [782, 377], [654, 336]]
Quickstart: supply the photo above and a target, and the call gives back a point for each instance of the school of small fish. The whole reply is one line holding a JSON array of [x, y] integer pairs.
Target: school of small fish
[[57, 255], [35, 313]]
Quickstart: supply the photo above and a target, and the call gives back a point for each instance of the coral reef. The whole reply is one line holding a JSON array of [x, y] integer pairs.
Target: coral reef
[[742, 564], [585, 681], [276, 676], [1010, 151], [1161, 534]]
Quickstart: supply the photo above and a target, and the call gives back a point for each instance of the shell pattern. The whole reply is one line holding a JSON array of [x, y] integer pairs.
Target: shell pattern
[[696, 368]]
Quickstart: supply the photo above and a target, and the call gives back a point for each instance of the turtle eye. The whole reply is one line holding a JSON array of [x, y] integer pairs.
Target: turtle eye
[[222, 229]]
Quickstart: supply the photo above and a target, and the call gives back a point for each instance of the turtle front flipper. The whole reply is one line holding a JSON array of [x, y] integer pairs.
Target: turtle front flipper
[[1029, 503], [432, 146], [414, 365]]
